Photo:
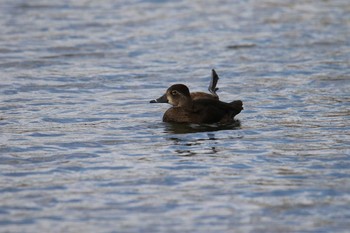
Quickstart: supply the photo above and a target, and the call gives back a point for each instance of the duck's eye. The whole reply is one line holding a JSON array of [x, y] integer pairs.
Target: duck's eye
[[174, 92]]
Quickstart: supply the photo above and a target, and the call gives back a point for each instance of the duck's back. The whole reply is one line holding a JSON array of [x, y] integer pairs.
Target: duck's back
[[203, 95]]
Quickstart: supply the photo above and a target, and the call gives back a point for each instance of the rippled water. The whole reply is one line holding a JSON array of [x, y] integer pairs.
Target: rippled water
[[82, 150]]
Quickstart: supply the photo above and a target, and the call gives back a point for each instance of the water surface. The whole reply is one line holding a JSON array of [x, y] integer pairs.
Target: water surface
[[81, 148]]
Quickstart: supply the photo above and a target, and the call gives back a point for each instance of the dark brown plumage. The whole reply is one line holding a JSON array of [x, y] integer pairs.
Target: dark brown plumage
[[187, 110]]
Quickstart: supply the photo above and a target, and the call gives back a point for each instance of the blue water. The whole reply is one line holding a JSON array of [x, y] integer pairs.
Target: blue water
[[83, 150]]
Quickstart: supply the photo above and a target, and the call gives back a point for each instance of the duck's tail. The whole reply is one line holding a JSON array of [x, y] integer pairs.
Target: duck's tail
[[237, 107], [237, 104]]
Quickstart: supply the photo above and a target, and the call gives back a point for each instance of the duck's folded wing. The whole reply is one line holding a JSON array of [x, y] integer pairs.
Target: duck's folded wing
[[215, 111], [234, 105]]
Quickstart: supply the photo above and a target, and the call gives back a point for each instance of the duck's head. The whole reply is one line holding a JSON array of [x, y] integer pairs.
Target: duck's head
[[177, 95]]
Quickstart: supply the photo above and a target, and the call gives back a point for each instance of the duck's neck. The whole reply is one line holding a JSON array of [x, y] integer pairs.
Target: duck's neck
[[188, 104]]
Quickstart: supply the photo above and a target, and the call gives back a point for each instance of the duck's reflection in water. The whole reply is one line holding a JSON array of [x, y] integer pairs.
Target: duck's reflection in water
[[191, 146], [193, 139]]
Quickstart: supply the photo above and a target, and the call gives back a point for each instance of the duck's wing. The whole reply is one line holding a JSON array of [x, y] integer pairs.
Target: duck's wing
[[218, 107], [234, 105], [213, 82]]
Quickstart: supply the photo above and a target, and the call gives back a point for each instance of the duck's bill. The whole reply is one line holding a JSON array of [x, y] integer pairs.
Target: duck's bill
[[162, 99]]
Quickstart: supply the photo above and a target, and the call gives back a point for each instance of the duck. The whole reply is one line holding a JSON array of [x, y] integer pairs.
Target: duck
[[199, 95], [185, 109]]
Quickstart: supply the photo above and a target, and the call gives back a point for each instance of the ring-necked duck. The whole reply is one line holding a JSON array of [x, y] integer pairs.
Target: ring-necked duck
[[188, 110]]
